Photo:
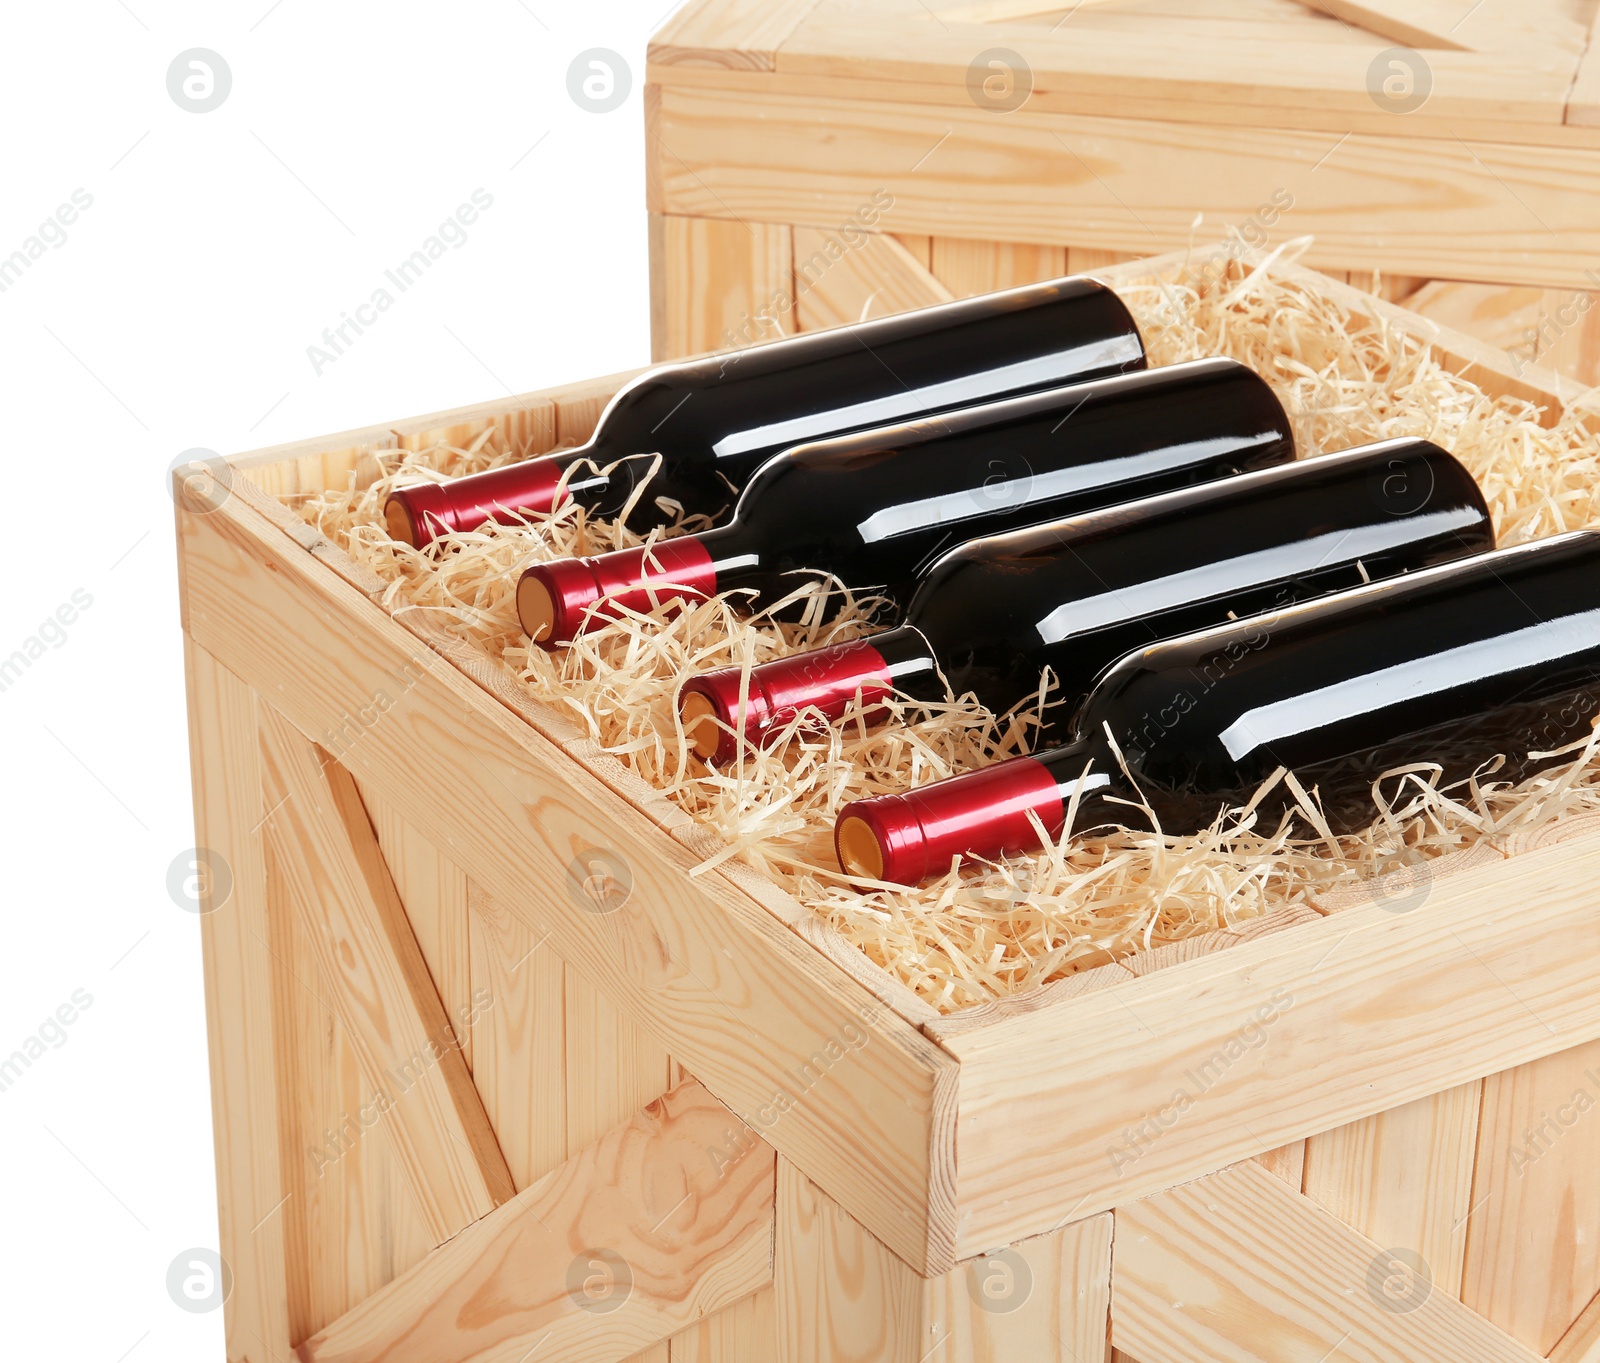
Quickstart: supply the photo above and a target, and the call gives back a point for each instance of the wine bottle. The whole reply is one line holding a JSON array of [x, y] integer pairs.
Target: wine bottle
[[1494, 656], [715, 421], [875, 508], [1075, 595]]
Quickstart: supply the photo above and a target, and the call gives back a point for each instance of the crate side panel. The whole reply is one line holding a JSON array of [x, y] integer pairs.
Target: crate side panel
[[722, 284], [968, 267], [866, 1100], [1533, 1241]]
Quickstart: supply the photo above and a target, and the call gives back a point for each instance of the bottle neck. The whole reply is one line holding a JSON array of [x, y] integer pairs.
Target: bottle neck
[[983, 814]]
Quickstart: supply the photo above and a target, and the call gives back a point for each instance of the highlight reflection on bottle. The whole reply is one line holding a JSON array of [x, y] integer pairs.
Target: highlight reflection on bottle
[[1495, 656], [715, 421]]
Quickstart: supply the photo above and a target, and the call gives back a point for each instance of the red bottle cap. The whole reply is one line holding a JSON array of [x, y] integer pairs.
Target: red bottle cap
[[554, 599], [906, 838], [423, 511], [825, 679]]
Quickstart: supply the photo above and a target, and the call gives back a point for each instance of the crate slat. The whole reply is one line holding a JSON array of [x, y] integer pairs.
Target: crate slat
[[838, 286], [1537, 1184], [1463, 24], [327, 860], [842, 1297], [1404, 1178], [524, 1277], [223, 754], [1237, 1268], [1451, 209], [1346, 1045], [971, 267], [743, 259]]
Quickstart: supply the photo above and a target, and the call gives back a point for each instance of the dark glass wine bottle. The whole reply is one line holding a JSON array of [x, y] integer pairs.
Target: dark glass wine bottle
[[1075, 595], [1497, 655], [715, 421], [876, 508]]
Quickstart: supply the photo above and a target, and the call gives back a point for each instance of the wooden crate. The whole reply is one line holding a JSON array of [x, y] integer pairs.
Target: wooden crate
[[774, 124], [495, 1078]]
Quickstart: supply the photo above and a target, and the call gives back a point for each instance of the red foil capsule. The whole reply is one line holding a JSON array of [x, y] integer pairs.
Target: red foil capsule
[[906, 838], [554, 599], [419, 513], [826, 679]]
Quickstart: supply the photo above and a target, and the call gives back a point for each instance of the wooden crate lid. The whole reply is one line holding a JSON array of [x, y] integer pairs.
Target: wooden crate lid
[[1523, 66]]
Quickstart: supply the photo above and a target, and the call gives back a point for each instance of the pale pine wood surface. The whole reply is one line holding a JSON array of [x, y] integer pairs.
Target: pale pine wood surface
[[1558, 329], [873, 278], [728, 33], [1404, 1177], [327, 859], [1581, 1344], [235, 937], [694, 961], [972, 267], [1349, 1043], [1448, 208], [1238, 1268], [1464, 24], [729, 261], [1533, 1257], [842, 1297], [691, 1237]]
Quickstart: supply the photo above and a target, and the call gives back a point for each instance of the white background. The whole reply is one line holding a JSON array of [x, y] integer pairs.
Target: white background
[[177, 315]]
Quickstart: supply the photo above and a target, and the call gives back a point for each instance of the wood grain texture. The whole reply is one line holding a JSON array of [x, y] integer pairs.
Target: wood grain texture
[[1404, 1178], [1241, 1051], [520, 1047], [240, 1025], [1533, 1240], [1558, 329], [746, 1332], [853, 1091], [842, 40], [844, 1298], [972, 267], [1238, 1268], [1463, 25], [328, 859], [1449, 208], [736, 34], [624, 1245], [433, 890], [351, 1220], [718, 284], [1583, 103], [612, 1066], [839, 283], [1581, 1344]]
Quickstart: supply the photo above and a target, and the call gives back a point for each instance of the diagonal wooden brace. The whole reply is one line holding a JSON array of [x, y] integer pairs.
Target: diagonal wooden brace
[[667, 1219], [326, 860]]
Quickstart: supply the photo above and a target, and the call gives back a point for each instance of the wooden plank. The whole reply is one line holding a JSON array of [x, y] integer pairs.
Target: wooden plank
[[862, 1098], [520, 1049], [1583, 103], [1241, 1051], [1287, 1162], [737, 34], [746, 1332], [1438, 207], [1462, 25], [1533, 1251], [841, 42], [1237, 1268], [240, 1027], [718, 284], [839, 283], [612, 1066], [378, 984], [1091, 260], [1558, 329], [972, 267], [842, 1297], [625, 1244], [1404, 1178], [1581, 1344], [351, 1221], [433, 890]]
